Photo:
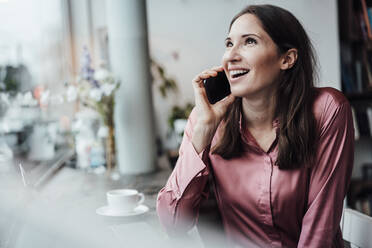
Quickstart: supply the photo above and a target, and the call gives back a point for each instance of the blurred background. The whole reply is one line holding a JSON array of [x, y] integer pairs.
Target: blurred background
[[96, 93]]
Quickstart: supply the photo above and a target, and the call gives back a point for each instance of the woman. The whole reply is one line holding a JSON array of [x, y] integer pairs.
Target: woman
[[279, 149]]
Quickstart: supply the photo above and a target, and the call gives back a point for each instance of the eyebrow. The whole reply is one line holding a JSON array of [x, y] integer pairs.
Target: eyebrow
[[245, 35]]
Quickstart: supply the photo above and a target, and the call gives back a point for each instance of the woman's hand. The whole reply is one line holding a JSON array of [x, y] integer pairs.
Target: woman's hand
[[208, 115]]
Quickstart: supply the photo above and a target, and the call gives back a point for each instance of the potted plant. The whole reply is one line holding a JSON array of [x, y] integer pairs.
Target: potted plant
[[177, 122]]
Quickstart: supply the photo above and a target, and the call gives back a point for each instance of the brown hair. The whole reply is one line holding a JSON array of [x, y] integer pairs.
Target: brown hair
[[296, 139]]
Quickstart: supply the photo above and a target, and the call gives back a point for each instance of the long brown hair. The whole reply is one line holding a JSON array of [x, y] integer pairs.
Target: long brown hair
[[297, 130]]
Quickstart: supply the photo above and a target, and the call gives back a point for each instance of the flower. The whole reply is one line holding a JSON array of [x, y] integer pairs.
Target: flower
[[107, 89], [96, 94], [87, 71], [101, 74], [94, 89]]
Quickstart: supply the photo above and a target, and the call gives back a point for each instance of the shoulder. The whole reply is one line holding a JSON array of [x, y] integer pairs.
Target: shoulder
[[327, 100], [328, 96], [329, 105]]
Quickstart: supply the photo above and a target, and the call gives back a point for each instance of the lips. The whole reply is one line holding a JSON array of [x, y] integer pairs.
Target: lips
[[238, 73]]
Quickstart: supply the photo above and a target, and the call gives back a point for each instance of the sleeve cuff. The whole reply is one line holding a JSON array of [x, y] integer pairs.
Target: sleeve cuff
[[189, 166]]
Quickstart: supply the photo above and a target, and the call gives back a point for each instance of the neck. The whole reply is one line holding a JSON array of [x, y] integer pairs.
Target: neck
[[259, 113]]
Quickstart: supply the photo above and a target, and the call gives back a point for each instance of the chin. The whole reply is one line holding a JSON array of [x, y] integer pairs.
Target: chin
[[240, 91]]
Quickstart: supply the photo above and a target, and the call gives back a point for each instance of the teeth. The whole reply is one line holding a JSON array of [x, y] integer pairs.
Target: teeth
[[237, 72]]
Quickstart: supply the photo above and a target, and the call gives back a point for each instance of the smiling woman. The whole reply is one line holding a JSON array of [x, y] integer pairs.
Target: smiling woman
[[279, 150], [270, 54]]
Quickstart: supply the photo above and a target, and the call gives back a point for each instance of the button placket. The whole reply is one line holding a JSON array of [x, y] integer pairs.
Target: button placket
[[265, 193], [267, 160], [274, 234]]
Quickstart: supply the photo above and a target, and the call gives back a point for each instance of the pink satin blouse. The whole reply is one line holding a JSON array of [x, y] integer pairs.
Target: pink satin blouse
[[261, 205]]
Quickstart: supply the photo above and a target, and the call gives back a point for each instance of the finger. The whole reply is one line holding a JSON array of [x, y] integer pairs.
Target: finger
[[198, 80], [201, 98], [217, 68], [209, 74], [209, 71], [200, 94], [205, 74], [214, 68]]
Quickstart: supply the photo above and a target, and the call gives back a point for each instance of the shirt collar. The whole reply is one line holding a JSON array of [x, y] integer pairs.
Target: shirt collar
[[247, 136]]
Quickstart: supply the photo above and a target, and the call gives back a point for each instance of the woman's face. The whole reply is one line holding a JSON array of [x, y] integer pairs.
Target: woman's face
[[251, 59]]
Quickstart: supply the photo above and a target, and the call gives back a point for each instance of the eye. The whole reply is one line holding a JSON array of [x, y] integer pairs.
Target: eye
[[250, 41], [228, 43]]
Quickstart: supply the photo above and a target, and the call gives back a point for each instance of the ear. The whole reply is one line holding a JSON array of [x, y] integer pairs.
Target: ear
[[289, 59]]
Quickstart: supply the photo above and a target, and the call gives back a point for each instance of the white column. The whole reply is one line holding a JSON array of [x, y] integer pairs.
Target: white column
[[129, 58]]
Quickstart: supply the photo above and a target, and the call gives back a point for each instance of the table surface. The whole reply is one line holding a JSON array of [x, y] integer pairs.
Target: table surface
[[61, 210]]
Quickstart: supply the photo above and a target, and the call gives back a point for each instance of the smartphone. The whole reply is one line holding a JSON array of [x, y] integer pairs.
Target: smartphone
[[217, 87]]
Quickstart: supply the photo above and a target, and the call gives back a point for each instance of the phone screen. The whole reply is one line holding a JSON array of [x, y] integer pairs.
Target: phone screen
[[217, 87]]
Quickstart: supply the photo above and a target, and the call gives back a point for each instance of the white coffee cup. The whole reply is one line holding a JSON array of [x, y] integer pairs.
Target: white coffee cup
[[124, 200]]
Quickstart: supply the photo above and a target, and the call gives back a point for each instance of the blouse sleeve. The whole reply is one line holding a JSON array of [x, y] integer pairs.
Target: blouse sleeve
[[329, 178], [178, 202]]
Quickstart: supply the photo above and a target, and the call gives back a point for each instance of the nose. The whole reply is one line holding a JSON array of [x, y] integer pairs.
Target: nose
[[233, 54]]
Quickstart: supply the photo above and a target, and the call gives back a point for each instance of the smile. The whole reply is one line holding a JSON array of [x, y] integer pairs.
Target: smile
[[237, 73]]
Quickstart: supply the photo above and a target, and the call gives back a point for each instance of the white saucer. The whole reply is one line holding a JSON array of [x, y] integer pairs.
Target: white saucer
[[106, 211]]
